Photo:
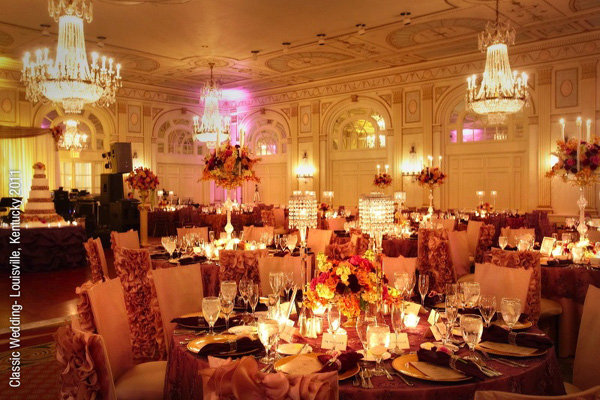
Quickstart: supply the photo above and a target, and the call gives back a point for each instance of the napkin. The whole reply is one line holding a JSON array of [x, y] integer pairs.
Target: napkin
[[241, 345], [442, 359], [279, 254], [437, 372], [160, 256], [199, 321], [535, 340], [508, 348], [345, 361]]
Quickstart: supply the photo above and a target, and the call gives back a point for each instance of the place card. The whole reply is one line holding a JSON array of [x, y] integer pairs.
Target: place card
[[334, 341], [438, 330], [400, 340], [547, 246], [411, 308], [434, 316], [288, 331]]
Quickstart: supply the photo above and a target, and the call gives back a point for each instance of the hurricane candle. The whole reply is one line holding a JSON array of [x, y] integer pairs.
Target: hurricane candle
[[588, 125], [562, 129], [411, 320], [578, 140]]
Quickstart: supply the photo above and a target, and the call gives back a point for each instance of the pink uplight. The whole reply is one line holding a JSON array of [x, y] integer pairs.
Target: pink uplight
[[235, 94]]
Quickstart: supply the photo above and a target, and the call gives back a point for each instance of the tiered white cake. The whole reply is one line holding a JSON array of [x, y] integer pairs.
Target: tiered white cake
[[40, 207]]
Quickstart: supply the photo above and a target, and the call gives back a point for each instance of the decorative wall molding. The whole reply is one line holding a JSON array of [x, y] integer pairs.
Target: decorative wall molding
[[544, 76], [588, 69]]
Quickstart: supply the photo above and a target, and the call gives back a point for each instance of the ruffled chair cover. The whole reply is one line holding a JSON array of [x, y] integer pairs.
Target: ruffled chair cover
[[360, 242], [133, 269], [85, 315], [527, 260], [241, 379], [340, 252], [128, 240], [434, 258], [335, 224], [93, 258], [267, 217], [486, 240], [238, 264], [86, 372]]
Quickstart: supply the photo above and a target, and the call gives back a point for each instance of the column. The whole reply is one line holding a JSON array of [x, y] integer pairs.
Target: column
[[588, 111], [396, 147], [544, 108], [427, 117], [293, 148]]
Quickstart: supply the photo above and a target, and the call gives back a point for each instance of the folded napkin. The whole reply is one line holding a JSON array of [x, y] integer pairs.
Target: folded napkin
[[160, 256], [344, 362], [444, 359], [526, 339], [279, 254], [241, 345], [200, 323]]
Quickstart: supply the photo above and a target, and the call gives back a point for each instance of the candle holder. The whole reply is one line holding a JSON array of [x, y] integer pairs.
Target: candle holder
[[303, 215], [376, 212]]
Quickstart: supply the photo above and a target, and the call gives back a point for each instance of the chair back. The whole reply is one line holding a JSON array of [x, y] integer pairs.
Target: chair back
[[179, 292], [459, 252], [587, 354], [284, 264], [110, 318], [73, 347], [336, 224], [255, 233], [238, 264], [128, 240], [103, 262], [279, 215], [434, 258], [447, 223], [391, 265], [93, 259], [590, 394], [201, 231], [318, 239], [485, 241], [503, 282], [473, 231]]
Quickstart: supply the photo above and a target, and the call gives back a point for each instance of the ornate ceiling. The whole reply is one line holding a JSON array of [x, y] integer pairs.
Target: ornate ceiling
[[170, 42]]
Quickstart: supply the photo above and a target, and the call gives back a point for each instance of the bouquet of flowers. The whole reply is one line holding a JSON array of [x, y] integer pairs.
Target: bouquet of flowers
[[229, 166], [351, 283], [485, 208], [39, 165], [568, 169], [430, 176], [324, 207], [382, 180], [142, 179]]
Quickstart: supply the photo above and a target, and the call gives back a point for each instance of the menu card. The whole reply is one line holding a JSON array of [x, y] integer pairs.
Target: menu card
[[437, 372]]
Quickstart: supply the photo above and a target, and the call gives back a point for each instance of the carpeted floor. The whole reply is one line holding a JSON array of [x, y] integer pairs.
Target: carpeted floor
[[39, 374]]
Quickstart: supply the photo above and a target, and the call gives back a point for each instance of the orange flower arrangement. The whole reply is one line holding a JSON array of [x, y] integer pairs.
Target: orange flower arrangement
[[229, 166], [430, 177], [382, 180]]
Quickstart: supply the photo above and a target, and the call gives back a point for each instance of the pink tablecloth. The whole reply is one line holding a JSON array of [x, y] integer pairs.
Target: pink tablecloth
[[568, 285], [541, 377]]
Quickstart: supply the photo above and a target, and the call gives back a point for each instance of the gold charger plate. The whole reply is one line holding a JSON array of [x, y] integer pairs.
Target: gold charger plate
[[348, 374], [519, 326], [539, 352], [196, 345], [402, 365]]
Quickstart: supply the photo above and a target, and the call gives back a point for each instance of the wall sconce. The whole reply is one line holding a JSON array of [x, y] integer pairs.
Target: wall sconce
[[411, 167], [305, 169]]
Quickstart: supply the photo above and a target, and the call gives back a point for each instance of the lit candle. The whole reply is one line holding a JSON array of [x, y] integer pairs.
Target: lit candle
[[562, 128], [378, 168], [386, 168], [241, 137], [578, 140], [588, 125], [430, 161], [440, 161]]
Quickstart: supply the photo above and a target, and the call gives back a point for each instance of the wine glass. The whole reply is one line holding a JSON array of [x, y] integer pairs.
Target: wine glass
[[211, 306], [334, 317], [211, 236], [253, 298], [451, 314], [471, 293], [378, 341], [226, 307], [502, 242], [244, 292], [363, 321], [487, 308], [229, 289], [288, 277], [283, 240], [267, 329], [423, 287], [275, 282], [291, 242], [471, 326], [397, 317], [511, 311]]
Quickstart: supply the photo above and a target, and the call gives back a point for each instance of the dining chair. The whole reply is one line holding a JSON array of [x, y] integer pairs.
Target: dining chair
[[434, 258], [473, 231], [179, 291], [93, 260], [392, 265], [585, 367], [318, 239], [143, 381], [336, 224], [447, 223], [128, 240], [201, 231], [503, 281], [485, 241], [459, 252], [590, 394]]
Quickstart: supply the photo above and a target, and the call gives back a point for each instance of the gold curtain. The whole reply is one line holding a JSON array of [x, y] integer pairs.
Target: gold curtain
[[20, 154]]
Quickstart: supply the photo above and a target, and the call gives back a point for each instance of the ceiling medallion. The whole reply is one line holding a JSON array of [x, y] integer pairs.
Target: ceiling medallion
[[501, 91], [69, 80], [213, 127]]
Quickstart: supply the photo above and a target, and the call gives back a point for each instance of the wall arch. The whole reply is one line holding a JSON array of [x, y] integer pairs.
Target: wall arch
[[348, 103]]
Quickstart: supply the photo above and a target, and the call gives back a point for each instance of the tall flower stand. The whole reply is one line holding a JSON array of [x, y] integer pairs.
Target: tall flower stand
[[144, 207], [228, 207], [430, 209], [582, 227]]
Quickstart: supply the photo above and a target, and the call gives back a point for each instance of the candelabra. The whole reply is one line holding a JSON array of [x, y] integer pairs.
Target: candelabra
[[303, 215], [328, 197]]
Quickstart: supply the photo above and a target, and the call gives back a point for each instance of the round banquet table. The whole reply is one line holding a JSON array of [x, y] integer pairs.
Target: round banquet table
[[568, 285], [540, 377], [46, 249]]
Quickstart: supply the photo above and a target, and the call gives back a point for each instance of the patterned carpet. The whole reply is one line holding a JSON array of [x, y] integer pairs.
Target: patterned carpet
[[39, 374]]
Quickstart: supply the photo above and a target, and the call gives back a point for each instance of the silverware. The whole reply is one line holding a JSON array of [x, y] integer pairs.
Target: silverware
[[403, 378], [368, 373], [355, 381], [363, 383], [387, 374]]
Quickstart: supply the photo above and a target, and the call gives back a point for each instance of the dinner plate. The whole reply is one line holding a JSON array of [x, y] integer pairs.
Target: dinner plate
[[197, 344], [519, 326], [348, 374], [290, 349], [537, 353], [369, 356], [403, 365], [243, 330]]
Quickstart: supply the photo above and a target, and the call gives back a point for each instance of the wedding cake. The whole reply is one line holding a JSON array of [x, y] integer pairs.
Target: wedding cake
[[40, 207]]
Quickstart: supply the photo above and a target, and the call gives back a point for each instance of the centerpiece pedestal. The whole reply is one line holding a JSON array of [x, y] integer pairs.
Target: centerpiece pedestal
[[144, 208], [430, 209], [582, 227]]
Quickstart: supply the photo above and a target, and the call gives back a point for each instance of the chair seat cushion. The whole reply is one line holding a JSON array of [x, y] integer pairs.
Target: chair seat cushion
[[144, 381], [570, 388], [550, 308], [467, 278]]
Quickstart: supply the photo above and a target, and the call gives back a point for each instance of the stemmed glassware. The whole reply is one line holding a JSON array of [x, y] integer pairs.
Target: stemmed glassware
[[471, 326], [511, 311], [276, 282], [487, 308], [268, 330], [211, 307], [363, 321], [471, 293], [226, 307], [423, 287], [244, 292], [291, 242], [397, 317], [502, 242], [289, 283], [451, 314], [229, 289], [169, 244], [334, 317], [378, 341], [253, 298]]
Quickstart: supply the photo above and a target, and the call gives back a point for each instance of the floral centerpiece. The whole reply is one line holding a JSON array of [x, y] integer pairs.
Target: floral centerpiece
[[485, 208], [351, 283], [430, 177], [229, 166], [143, 180], [324, 207], [382, 180], [582, 173]]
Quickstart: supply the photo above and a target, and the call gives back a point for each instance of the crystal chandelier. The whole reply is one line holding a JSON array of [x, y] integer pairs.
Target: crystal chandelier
[[500, 91], [72, 139], [213, 127], [69, 80], [376, 215], [302, 212]]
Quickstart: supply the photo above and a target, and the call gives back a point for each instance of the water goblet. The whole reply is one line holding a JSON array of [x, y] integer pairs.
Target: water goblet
[[487, 308], [503, 242], [267, 329], [226, 308], [363, 321], [511, 311], [334, 317], [211, 307], [378, 341], [471, 326], [229, 289]]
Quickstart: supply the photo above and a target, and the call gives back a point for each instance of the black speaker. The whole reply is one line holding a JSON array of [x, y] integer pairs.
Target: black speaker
[[111, 188], [121, 157], [124, 215]]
